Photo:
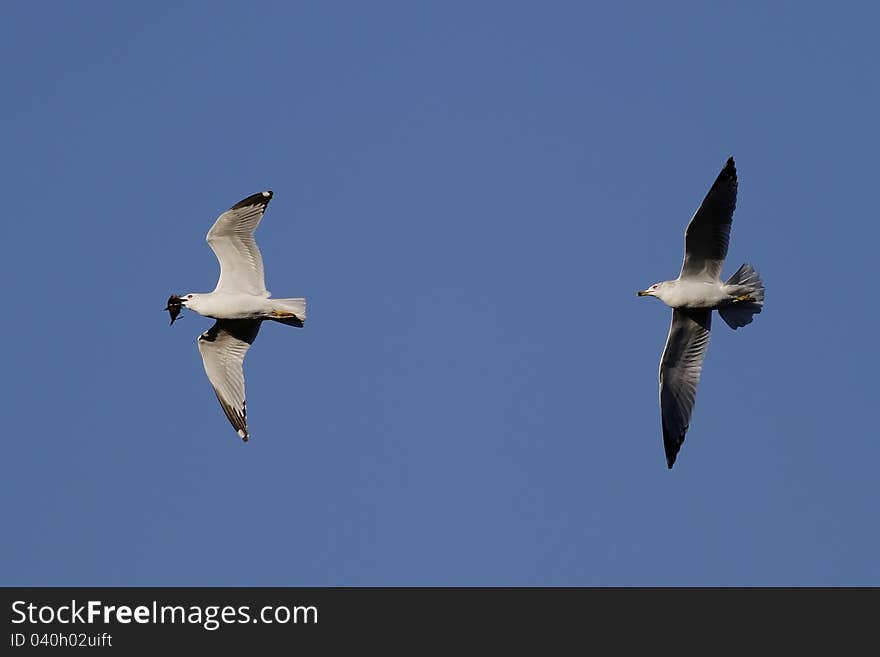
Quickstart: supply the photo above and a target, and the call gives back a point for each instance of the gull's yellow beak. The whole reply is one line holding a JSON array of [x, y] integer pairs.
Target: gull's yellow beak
[[643, 293]]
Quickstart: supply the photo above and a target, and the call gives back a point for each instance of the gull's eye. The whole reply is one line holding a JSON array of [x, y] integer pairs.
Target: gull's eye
[[189, 296]]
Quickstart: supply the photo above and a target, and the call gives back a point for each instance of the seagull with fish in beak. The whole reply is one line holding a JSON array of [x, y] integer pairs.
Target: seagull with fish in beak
[[239, 303]]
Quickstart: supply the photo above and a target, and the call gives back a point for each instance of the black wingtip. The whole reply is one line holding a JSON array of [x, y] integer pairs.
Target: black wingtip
[[730, 167], [671, 447], [260, 198], [727, 175]]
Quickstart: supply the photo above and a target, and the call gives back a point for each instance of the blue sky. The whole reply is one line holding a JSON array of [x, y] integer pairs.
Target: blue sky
[[469, 194]]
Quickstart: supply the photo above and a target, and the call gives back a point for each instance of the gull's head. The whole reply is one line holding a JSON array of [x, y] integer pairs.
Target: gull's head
[[190, 300], [656, 290]]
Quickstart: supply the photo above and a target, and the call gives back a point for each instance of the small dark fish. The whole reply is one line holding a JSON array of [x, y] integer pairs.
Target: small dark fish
[[174, 306]]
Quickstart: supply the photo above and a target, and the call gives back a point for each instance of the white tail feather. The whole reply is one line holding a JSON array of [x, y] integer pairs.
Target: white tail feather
[[745, 282], [295, 306]]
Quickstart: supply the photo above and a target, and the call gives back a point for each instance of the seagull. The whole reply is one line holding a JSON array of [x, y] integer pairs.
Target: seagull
[[240, 303], [693, 296]]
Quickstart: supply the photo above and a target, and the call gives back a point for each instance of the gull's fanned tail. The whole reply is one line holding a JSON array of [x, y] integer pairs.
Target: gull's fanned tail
[[745, 284], [289, 311]]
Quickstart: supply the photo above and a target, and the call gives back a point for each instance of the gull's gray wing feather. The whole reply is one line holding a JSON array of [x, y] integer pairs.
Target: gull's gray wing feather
[[223, 347], [680, 369], [708, 233], [232, 239]]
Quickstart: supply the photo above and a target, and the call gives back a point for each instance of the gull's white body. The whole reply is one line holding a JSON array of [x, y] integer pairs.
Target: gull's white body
[[239, 303], [231, 305], [693, 296]]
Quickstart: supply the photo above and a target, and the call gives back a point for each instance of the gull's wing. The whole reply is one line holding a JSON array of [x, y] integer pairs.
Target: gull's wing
[[223, 347], [680, 373], [708, 233], [232, 239]]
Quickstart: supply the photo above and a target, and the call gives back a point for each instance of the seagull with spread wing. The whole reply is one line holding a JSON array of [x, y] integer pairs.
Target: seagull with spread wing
[[240, 303], [693, 296]]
